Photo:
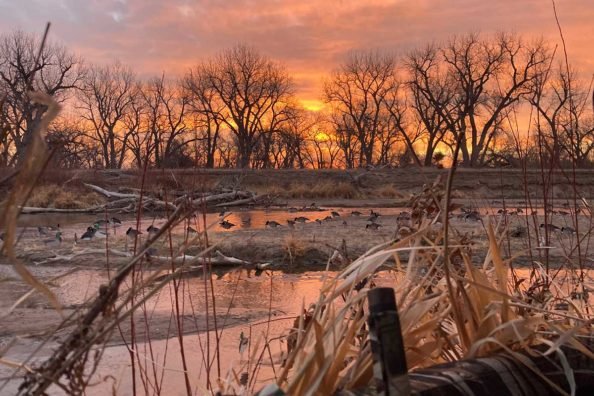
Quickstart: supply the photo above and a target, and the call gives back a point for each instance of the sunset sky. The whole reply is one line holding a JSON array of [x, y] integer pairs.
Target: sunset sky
[[309, 37]]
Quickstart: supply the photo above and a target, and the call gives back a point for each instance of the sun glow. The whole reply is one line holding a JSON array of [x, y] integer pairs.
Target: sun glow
[[322, 137], [312, 104]]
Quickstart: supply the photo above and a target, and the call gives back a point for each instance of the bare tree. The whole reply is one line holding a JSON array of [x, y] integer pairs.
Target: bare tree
[[167, 107], [57, 73], [564, 119], [255, 92], [432, 100], [362, 91], [67, 140], [490, 76], [208, 110], [106, 101]]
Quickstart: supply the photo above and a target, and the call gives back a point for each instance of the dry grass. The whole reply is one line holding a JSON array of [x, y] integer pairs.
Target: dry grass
[[487, 312], [323, 189], [55, 196]]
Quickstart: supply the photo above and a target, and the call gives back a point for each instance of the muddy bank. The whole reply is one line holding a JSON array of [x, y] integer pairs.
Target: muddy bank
[[65, 188]]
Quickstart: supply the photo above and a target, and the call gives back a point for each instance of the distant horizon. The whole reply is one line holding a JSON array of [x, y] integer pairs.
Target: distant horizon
[[309, 39]]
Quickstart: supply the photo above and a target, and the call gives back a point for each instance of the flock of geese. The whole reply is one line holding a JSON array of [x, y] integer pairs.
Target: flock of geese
[[291, 223], [474, 215], [100, 228]]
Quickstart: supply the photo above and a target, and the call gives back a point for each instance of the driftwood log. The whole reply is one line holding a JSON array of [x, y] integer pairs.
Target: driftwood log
[[129, 202], [218, 258]]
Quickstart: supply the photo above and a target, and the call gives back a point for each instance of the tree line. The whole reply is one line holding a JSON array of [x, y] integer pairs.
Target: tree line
[[508, 100]]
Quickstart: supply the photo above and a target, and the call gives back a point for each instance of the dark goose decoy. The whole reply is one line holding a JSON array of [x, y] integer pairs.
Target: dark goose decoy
[[152, 230], [226, 224], [272, 224], [54, 242], [132, 233], [89, 234]]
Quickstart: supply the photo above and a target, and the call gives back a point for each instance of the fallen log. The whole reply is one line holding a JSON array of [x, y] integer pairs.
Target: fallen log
[[147, 200], [243, 201], [110, 194], [233, 195], [36, 210], [218, 258]]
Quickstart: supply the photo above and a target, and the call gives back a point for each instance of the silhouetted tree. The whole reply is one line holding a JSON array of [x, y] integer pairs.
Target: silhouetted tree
[[57, 73], [106, 101], [256, 94]]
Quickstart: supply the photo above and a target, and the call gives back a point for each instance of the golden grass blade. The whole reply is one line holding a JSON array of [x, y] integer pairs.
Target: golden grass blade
[[31, 168]]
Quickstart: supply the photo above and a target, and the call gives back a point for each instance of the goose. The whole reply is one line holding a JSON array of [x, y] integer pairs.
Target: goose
[[243, 342], [152, 230], [226, 224], [53, 242], [356, 213], [301, 219], [100, 233], [473, 216], [403, 216], [567, 230], [101, 222], [132, 233], [373, 226], [550, 227], [272, 224], [328, 218], [89, 234], [373, 216]]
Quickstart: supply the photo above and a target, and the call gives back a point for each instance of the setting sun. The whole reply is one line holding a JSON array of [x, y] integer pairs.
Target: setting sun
[[322, 137], [313, 105]]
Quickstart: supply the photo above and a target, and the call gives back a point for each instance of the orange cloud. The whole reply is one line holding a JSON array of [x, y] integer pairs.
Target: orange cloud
[[309, 36]]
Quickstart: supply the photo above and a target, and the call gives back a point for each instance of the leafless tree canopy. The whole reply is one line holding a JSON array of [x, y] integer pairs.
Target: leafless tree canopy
[[58, 73], [239, 109]]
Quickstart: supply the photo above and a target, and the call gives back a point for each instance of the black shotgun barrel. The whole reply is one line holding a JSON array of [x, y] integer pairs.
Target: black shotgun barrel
[[387, 345]]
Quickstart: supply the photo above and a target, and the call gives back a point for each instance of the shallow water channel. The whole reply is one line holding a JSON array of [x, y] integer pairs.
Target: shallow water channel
[[244, 303]]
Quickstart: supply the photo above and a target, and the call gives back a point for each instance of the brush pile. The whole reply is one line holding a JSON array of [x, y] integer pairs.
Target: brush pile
[[132, 202]]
